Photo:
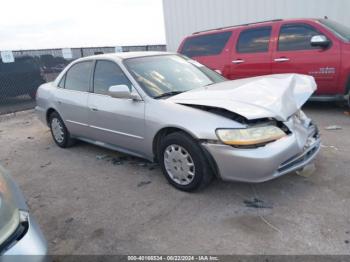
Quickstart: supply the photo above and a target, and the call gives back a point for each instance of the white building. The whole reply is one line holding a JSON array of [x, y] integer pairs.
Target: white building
[[183, 17]]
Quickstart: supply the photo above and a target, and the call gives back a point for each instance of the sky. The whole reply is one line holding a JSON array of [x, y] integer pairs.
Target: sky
[[37, 24]]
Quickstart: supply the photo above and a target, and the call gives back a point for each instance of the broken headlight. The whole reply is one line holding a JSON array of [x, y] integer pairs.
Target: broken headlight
[[250, 136]]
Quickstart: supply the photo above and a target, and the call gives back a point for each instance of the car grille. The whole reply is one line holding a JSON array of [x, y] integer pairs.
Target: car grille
[[309, 150]]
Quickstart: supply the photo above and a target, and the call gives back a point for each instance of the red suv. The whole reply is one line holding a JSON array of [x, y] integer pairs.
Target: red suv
[[317, 47]]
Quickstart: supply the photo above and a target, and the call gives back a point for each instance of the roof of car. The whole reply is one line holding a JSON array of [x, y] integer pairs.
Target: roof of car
[[268, 22], [125, 55]]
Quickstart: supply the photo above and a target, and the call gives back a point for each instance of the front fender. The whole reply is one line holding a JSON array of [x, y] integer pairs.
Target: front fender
[[200, 124]]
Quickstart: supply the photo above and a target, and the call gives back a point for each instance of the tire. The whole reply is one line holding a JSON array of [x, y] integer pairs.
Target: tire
[[59, 131], [183, 162]]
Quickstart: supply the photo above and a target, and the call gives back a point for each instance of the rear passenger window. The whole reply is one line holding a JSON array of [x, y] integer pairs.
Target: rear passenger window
[[108, 74], [78, 77], [254, 40], [296, 37], [205, 45]]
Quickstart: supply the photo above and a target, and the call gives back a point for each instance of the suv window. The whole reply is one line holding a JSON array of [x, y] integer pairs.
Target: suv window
[[254, 40], [78, 77], [108, 74], [205, 45], [296, 37]]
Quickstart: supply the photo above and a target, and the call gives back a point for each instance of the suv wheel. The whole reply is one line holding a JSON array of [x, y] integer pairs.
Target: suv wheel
[[59, 131], [183, 162]]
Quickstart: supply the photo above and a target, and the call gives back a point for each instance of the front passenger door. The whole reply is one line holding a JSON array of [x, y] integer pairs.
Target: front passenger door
[[295, 54], [115, 121]]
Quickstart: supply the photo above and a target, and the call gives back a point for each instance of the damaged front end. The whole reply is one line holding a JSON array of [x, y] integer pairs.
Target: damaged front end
[[287, 151], [276, 137]]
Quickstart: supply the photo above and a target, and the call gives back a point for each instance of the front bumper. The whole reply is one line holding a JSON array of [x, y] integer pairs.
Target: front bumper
[[275, 159]]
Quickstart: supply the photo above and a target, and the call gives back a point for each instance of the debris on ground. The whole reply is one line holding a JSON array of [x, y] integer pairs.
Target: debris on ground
[[257, 203], [101, 157], [333, 127], [37, 196], [30, 137], [332, 147], [307, 171], [346, 241], [117, 161], [143, 183], [69, 220], [152, 166], [120, 160], [45, 165], [347, 113]]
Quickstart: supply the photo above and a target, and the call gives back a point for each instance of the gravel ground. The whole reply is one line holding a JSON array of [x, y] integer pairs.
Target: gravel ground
[[89, 200]]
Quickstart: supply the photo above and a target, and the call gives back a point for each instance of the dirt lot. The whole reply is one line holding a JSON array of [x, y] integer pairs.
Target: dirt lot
[[89, 203]]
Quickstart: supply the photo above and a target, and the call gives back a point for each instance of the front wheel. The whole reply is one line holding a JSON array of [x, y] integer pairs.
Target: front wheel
[[59, 131], [183, 162]]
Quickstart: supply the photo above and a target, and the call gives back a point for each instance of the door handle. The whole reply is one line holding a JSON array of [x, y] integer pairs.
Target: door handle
[[59, 102], [238, 61], [93, 109], [281, 59]]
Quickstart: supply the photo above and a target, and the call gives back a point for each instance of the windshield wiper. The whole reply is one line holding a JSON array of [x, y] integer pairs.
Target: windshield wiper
[[172, 93]]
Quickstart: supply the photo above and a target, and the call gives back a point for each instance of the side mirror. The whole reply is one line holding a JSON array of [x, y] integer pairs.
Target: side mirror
[[123, 91], [320, 40]]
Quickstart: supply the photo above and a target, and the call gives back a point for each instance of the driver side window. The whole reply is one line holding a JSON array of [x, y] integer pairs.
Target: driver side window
[[107, 74], [295, 37]]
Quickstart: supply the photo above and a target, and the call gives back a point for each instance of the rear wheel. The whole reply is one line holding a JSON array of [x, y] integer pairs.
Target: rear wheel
[[59, 131], [183, 162]]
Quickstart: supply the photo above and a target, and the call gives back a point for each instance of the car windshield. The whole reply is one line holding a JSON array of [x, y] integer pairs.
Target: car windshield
[[341, 30], [166, 75]]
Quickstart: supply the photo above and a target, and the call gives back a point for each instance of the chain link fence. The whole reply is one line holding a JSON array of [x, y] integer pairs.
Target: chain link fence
[[20, 79]]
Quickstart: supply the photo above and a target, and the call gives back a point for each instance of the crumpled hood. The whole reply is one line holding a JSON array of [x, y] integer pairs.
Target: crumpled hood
[[276, 96]]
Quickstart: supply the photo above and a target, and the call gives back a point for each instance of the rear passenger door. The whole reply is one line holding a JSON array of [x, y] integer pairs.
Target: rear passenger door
[[295, 54], [251, 55], [71, 97], [208, 49]]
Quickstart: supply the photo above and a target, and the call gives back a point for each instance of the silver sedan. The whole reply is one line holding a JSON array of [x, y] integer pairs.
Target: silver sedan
[[167, 108]]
